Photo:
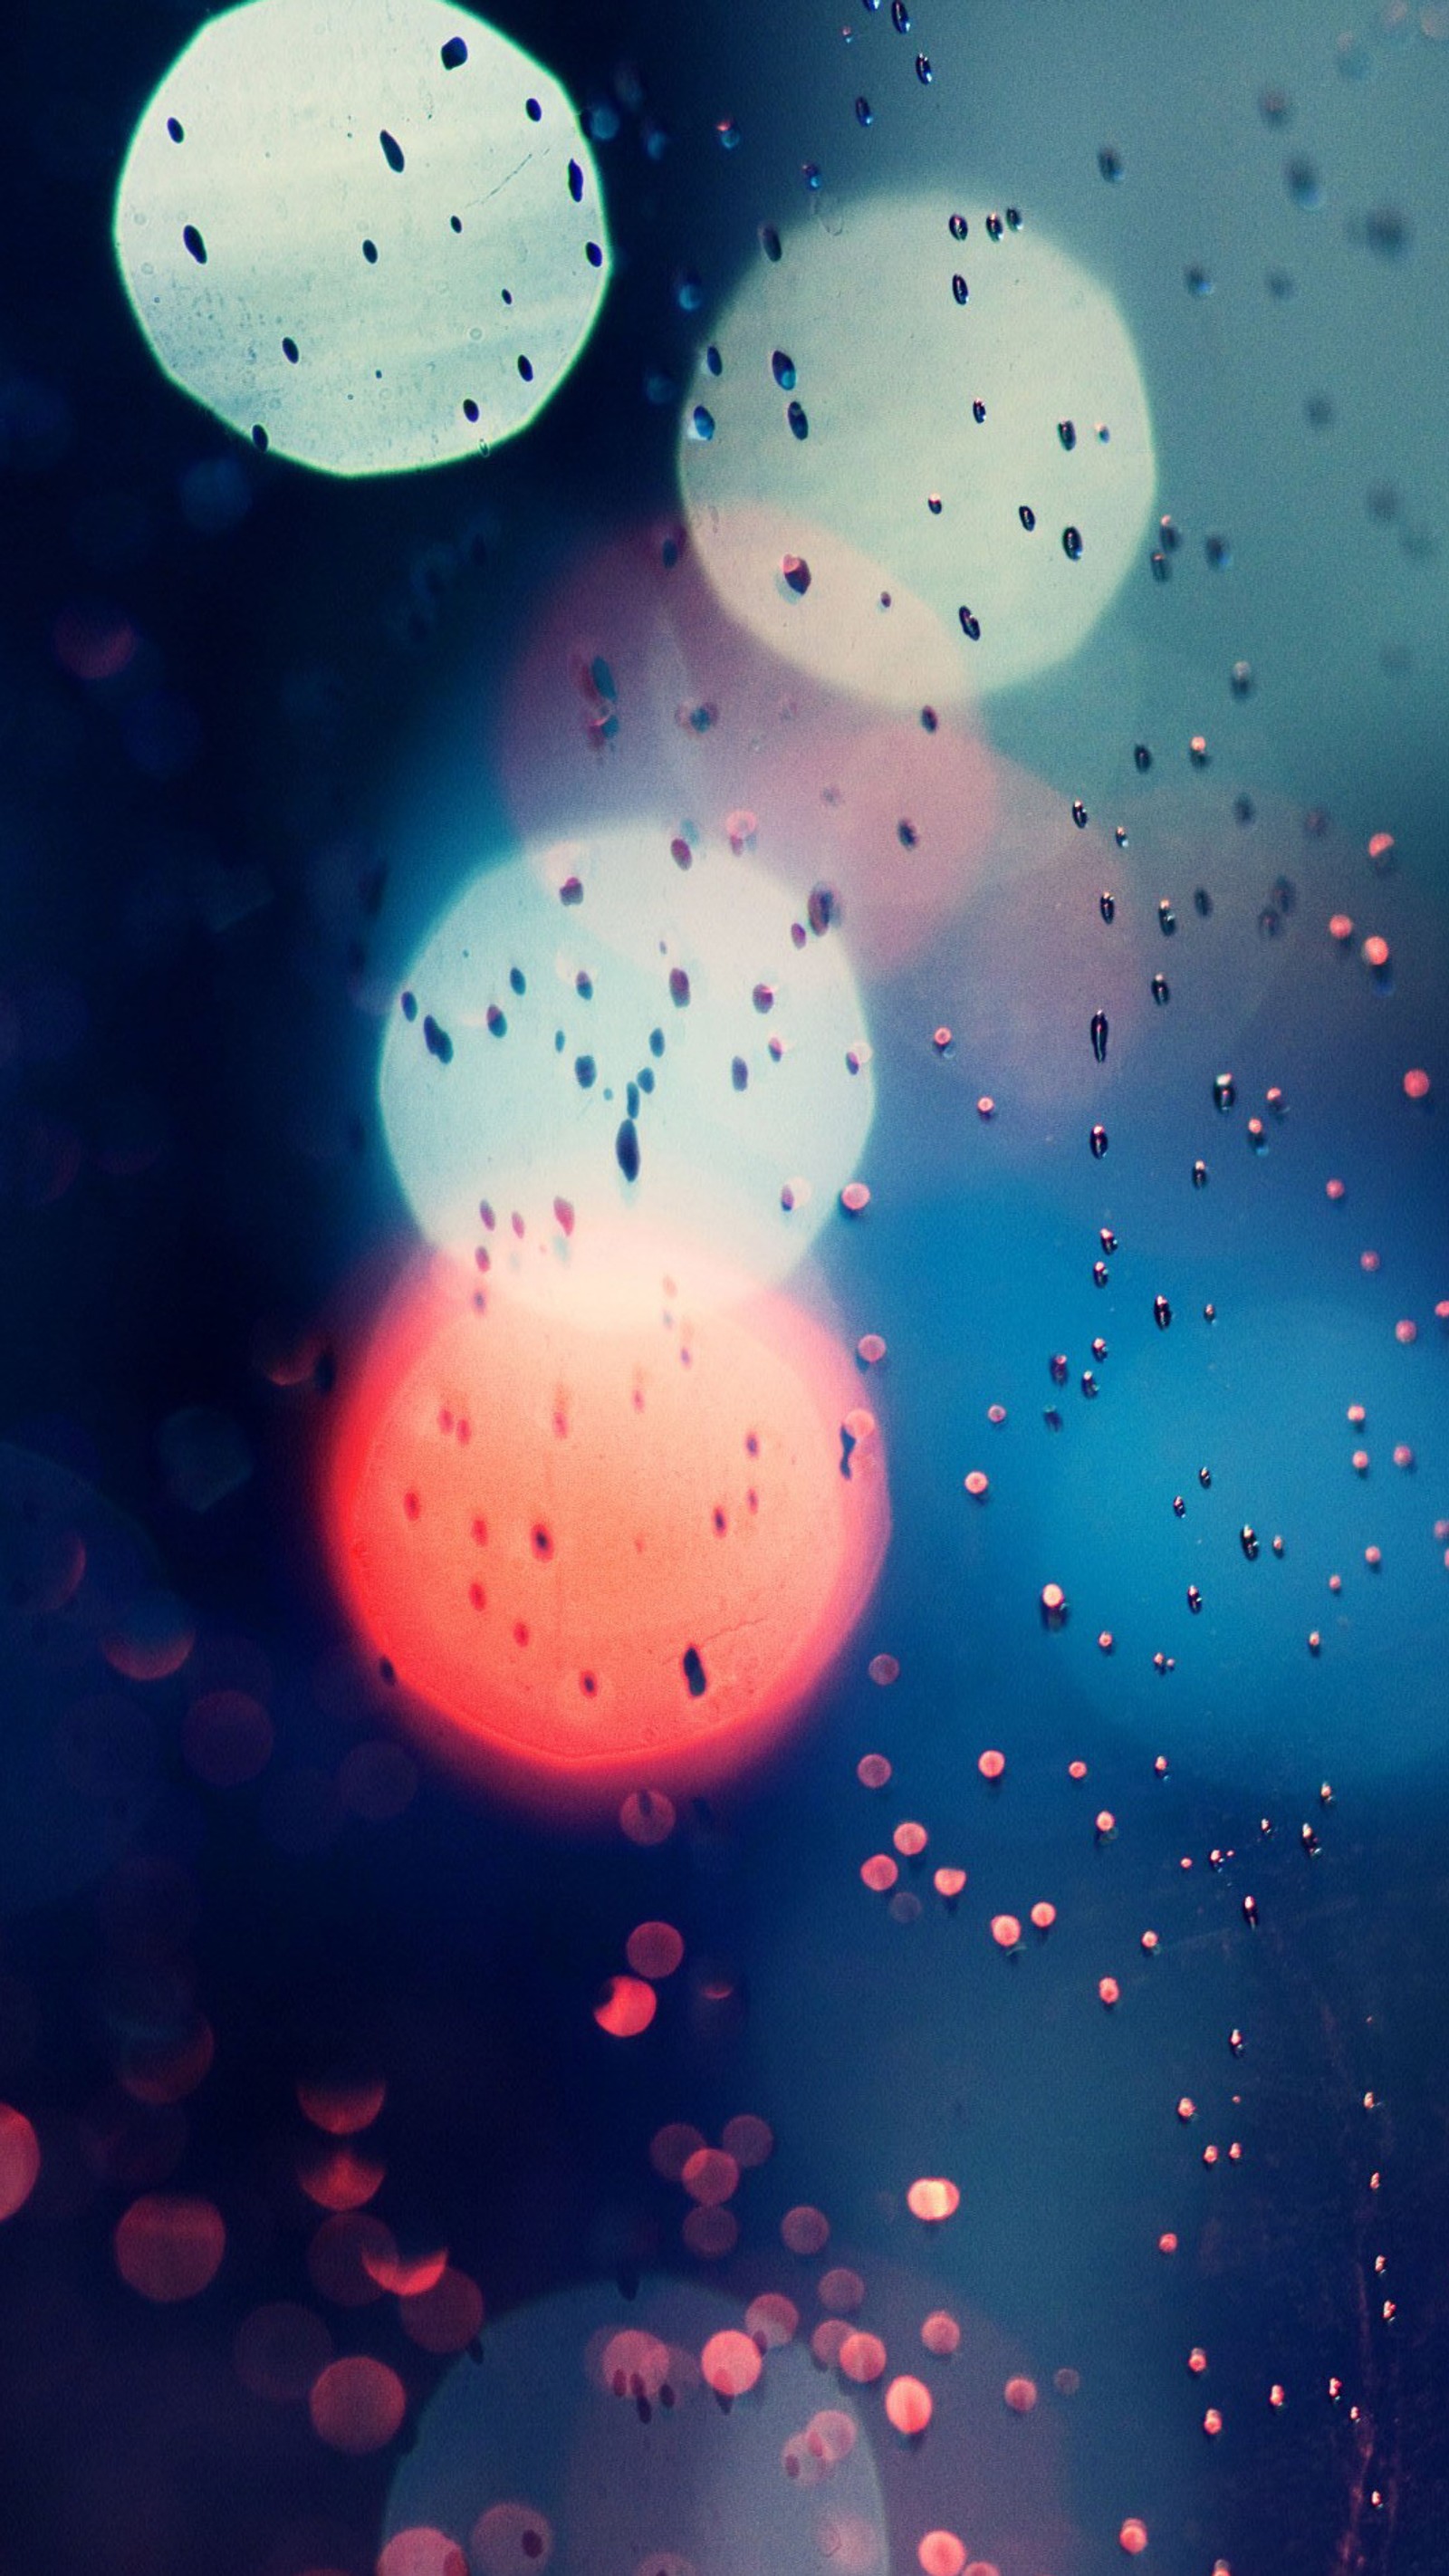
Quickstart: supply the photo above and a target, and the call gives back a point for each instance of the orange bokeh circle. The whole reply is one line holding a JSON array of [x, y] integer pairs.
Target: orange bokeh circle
[[584, 1542]]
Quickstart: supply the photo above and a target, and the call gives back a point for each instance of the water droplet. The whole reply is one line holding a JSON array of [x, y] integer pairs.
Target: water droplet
[[1099, 1036], [1098, 1142], [1072, 544]]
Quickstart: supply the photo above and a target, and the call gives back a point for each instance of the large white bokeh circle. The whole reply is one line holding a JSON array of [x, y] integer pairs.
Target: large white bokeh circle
[[861, 332], [366, 233], [695, 1005]]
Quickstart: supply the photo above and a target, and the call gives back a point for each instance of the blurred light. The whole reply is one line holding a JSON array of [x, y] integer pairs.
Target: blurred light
[[908, 603], [169, 2246], [535, 2457], [367, 240], [622, 1031], [581, 1549], [636, 692]]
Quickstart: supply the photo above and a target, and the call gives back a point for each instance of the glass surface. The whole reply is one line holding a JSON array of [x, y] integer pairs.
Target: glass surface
[[724, 1435]]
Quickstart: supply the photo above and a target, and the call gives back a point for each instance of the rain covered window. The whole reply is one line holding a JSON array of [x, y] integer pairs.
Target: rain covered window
[[724, 1416]]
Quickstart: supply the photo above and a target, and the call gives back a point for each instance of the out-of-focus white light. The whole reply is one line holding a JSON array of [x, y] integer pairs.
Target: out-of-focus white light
[[366, 233], [840, 436], [628, 1037]]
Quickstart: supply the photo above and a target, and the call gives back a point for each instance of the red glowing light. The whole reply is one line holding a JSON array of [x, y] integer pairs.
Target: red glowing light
[[940, 2333], [19, 2160], [671, 2147], [626, 2007], [1020, 2395], [711, 2233], [773, 2320], [841, 2291], [933, 2198], [710, 2177], [672, 1567], [647, 1817], [908, 2407], [444, 2317], [750, 2140], [941, 2554], [347, 2256], [730, 2363], [341, 2104], [169, 2246], [654, 1950], [356, 2404], [421, 2551], [337, 2177], [634, 2364], [862, 2357], [805, 2230]]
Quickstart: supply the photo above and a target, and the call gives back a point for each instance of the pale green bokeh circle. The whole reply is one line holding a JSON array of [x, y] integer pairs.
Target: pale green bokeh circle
[[282, 175], [887, 364]]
